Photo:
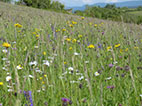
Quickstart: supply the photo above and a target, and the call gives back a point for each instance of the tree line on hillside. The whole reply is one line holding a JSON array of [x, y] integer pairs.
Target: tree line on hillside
[[41, 4], [111, 12]]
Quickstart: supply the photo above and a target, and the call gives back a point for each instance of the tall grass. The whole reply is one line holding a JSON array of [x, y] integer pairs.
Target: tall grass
[[58, 60]]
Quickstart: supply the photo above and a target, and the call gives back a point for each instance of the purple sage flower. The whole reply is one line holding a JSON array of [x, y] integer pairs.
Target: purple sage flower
[[28, 95]]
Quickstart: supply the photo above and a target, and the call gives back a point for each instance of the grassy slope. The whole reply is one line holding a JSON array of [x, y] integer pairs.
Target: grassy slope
[[126, 82], [137, 13]]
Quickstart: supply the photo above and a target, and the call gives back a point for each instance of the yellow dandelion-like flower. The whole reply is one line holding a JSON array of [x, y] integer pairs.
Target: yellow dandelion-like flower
[[126, 49], [37, 36], [80, 36], [73, 22], [91, 46], [58, 30], [74, 41], [18, 25], [65, 62], [70, 25], [40, 78], [34, 33], [109, 48], [70, 48], [1, 83], [43, 82], [118, 45], [136, 47], [45, 75], [64, 30], [7, 45], [44, 53], [68, 39], [82, 18], [95, 25]]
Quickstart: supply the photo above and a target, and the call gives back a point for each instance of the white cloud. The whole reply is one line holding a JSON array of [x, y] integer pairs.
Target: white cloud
[[111, 1], [87, 1]]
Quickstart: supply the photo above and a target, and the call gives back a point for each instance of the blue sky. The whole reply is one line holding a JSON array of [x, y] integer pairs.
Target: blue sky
[[70, 3]]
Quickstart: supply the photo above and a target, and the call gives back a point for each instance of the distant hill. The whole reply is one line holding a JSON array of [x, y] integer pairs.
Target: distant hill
[[129, 4]]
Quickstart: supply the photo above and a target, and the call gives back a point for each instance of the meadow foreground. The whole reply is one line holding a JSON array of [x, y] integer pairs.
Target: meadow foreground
[[56, 59]]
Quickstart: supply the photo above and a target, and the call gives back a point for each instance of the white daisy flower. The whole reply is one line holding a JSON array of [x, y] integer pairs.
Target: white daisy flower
[[4, 51], [19, 67], [10, 90], [46, 62], [70, 68], [76, 54], [8, 78], [82, 77], [36, 47], [86, 62], [108, 78], [33, 63], [96, 74], [30, 76]]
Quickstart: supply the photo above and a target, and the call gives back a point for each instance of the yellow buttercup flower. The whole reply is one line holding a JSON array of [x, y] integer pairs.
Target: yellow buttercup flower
[[40, 78], [136, 47], [44, 53], [95, 25], [65, 62], [73, 22], [45, 75], [43, 82], [63, 30], [70, 48], [82, 18], [68, 39], [126, 49], [34, 33], [7, 45], [80, 36], [1, 83], [37, 36], [118, 45], [71, 25], [91, 46], [74, 41], [18, 25], [109, 48]]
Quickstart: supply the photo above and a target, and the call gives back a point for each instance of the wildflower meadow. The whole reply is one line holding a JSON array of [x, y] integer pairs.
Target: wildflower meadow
[[55, 59]]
